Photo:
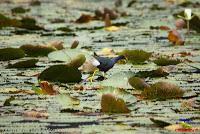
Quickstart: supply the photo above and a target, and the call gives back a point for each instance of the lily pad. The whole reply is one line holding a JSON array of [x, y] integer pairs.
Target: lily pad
[[37, 50], [136, 56], [165, 61], [112, 104], [19, 10], [163, 91], [160, 72], [11, 54], [138, 83], [66, 55], [24, 64], [61, 73], [77, 61]]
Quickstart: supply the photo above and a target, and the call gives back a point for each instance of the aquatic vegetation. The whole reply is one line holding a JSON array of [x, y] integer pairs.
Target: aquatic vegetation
[[11, 54]]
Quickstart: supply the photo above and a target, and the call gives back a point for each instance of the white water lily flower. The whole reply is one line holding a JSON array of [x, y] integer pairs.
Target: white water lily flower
[[188, 14]]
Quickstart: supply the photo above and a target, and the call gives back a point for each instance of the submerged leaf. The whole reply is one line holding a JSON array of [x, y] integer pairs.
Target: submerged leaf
[[61, 73], [165, 61], [11, 54], [37, 50], [136, 56], [163, 91], [138, 83], [24, 64], [112, 104]]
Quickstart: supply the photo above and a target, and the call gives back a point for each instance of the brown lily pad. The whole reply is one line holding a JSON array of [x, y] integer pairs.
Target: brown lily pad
[[24, 64], [138, 83]]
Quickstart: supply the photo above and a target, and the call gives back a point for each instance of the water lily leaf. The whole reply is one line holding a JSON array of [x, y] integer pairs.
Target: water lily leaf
[[160, 72], [8, 22], [136, 56], [160, 123], [118, 80], [7, 101], [77, 61], [19, 10], [138, 83], [37, 50], [163, 91], [24, 64], [112, 104], [165, 61], [175, 37], [66, 55], [67, 101], [36, 114], [61, 73], [35, 3], [56, 44], [119, 92], [29, 23], [11, 54], [112, 28]]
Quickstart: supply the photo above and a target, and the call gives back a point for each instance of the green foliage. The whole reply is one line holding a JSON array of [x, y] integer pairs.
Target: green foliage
[[11, 54], [24, 64], [61, 73], [37, 50], [136, 56], [77, 61], [164, 61], [19, 10]]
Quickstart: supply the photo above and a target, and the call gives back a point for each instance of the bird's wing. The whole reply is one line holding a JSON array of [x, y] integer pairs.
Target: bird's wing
[[104, 62]]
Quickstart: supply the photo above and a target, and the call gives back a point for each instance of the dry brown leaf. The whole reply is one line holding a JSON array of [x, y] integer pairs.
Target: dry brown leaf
[[56, 44], [84, 18], [48, 88], [36, 114], [175, 37]]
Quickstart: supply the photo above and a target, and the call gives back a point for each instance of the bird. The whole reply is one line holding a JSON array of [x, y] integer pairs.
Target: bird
[[104, 64]]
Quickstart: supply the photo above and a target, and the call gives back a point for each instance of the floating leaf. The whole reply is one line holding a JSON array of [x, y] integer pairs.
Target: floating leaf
[[36, 114], [19, 10], [138, 83], [35, 3], [67, 101], [163, 91], [136, 56], [30, 24], [165, 61], [106, 52], [48, 88], [11, 54], [84, 18], [8, 22], [7, 101], [175, 37], [77, 61], [56, 44], [112, 28], [24, 64], [160, 72], [160, 123], [37, 50], [112, 104], [74, 44], [61, 73]]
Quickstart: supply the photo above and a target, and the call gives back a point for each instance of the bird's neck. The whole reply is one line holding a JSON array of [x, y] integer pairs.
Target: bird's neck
[[116, 59]]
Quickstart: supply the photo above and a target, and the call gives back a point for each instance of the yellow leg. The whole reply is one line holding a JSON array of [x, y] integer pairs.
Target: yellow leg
[[92, 77]]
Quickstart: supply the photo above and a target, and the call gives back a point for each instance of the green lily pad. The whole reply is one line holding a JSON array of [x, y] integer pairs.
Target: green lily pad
[[164, 61], [136, 56], [11, 54], [24, 64], [77, 61], [163, 91], [19, 10], [37, 50], [61, 73], [66, 55], [8, 22]]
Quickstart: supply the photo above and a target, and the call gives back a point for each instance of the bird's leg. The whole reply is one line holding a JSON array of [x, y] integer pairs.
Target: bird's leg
[[92, 77]]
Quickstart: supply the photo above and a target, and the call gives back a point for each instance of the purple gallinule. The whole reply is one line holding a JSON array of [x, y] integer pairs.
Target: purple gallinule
[[104, 64]]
